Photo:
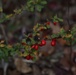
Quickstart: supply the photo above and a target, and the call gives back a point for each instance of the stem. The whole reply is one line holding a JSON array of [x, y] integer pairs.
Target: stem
[[1, 25], [4, 34], [70, 57], [35, 17], [70, 50]]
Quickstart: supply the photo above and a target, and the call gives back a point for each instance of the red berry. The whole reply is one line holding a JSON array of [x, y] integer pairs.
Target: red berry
[[53, 43], [48, 23], [28, 57], [31, 57], [40, 44], [42, 29], [43, 42], [33, 46], [55, 23], [53, 39], [23, 43], [30, 36], [36, 47]]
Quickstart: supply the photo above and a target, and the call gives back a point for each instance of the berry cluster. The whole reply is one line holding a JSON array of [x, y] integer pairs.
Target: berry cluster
[[36, 47], [34, 43]]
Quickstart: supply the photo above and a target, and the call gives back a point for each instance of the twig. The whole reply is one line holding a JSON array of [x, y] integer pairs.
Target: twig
[[70, 55], [4, 34]]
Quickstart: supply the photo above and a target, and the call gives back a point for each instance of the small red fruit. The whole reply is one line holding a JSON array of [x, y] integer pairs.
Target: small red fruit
[[31, 57], [42, 29], [23, 43], [43, 42], [53, 42], [33, 46], [30, 36], [40, 44], [36, 47], [28, 57], [55, 23], [48, 23], [53, 39]]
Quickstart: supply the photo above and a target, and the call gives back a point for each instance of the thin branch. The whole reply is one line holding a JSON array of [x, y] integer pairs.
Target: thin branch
[[4, 34]]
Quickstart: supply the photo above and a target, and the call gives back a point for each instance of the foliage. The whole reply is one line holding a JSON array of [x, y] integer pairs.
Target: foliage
[[25, 47], [29, 41], [56, 19], [35, 5]]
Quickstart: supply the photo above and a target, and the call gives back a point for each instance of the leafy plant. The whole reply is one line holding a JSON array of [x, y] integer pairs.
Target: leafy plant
[[35, 5], [29, 46]]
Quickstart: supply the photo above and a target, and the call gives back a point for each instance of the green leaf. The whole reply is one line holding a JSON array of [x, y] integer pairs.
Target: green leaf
[[2, 20], [32, 9], [26, 53], [39, 7], [1, 54], [48, 26], [45, 27], [32, 41], [30, 1], [74, 42], [55, 17], [23, 40], [43, 2], [54, 35], [61, 20]]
